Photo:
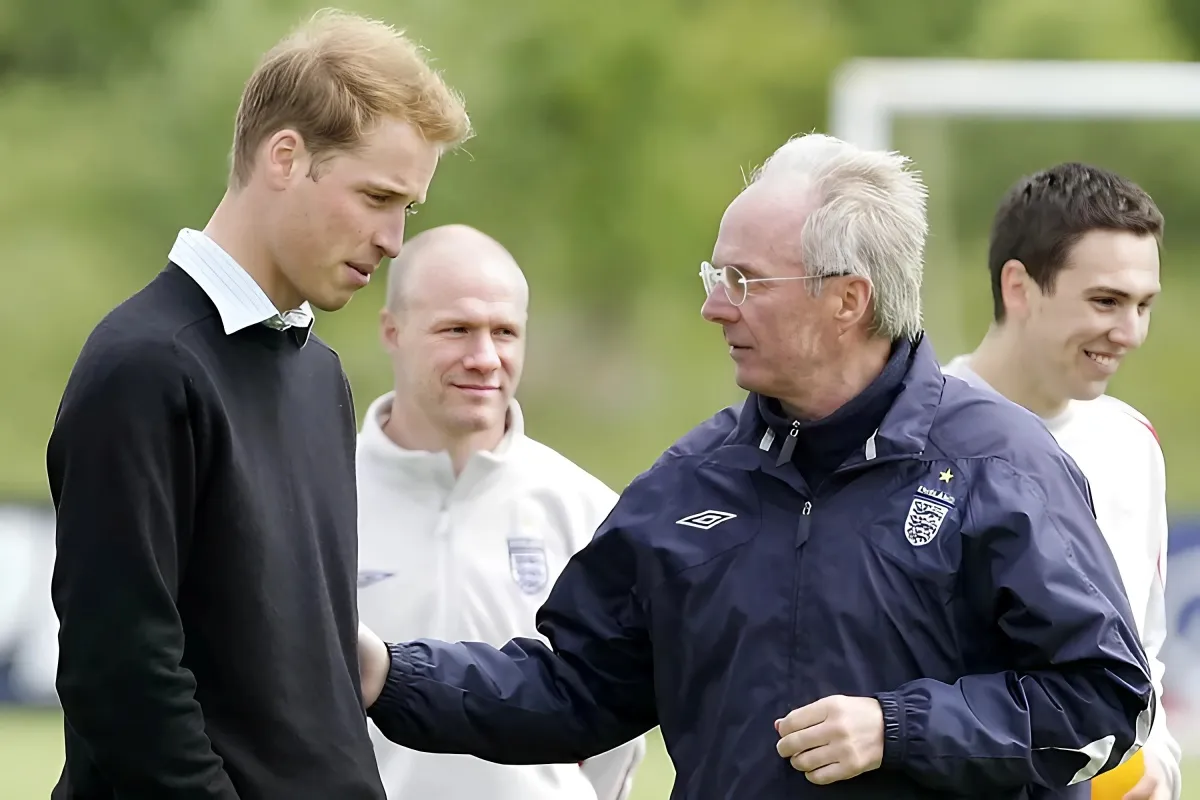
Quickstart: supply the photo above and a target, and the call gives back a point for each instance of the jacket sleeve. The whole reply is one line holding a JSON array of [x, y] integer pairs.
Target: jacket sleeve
[[588, 692], [1161, 744], [121, 468], [610, 773], [1077, 699]]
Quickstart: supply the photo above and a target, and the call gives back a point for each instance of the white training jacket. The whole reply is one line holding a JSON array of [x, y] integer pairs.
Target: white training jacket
[[472, 559], [1118, 452]]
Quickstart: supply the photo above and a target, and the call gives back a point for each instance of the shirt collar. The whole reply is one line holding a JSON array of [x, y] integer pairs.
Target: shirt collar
[[374, 444], [240, 301]]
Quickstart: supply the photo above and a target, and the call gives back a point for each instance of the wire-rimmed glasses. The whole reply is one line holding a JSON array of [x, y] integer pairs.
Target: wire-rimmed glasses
[[736, 284]]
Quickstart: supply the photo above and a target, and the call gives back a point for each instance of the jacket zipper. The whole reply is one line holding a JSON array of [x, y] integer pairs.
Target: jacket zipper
[[789, 445]]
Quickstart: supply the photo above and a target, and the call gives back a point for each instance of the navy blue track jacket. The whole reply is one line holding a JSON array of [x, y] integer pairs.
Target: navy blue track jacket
[[951, 568]]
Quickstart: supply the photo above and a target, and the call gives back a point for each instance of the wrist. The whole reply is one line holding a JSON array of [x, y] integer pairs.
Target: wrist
[[392, 679], [894, 742]]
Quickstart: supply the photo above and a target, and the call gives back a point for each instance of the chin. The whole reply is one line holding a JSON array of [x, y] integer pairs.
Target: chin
[[335, 302], [1083, 389], [1090, 390], [748, 381], [476, 423]]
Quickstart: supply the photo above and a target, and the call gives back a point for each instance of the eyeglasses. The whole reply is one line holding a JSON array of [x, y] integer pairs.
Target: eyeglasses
[[736, 284]]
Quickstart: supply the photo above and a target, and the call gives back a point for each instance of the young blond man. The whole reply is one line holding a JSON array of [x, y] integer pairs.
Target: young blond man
[[1074, 268], [202, 461]]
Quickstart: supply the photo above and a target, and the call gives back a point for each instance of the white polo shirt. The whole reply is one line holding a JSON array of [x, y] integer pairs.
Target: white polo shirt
[[472, 559]]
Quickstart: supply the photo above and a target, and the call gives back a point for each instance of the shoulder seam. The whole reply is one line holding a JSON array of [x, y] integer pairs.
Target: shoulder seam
[[1133, 413], [1145, 423]]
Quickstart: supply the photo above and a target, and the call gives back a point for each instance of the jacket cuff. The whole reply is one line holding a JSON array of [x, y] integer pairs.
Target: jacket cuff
[[391, 699], [894, 742]]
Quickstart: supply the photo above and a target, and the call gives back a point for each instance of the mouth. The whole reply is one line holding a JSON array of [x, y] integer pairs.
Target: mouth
[[1103, 359], [360, 273], [475, 388]]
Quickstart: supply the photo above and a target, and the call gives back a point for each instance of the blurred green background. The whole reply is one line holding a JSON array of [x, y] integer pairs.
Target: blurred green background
[[610, 139]]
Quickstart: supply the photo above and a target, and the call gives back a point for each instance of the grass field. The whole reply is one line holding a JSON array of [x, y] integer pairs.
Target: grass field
[[31, 755]]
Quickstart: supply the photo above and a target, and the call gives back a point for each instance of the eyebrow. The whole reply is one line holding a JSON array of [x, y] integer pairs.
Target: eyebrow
[[471, 320], [389, 189], [743, 268], [1121, 293]]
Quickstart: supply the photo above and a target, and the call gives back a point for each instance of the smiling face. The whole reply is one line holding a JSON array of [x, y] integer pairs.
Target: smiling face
[[456, 336], [1076, 333], [333, 222]]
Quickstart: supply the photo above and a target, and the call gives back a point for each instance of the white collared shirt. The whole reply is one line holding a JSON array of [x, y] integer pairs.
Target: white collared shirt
[[240, 301]]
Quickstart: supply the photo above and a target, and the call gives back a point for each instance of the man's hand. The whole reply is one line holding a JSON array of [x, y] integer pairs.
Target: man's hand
[[373, 664], [1153, 784], [833, 739]]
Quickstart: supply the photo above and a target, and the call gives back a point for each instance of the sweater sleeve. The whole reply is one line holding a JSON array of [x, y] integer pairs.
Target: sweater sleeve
[[121, 463]]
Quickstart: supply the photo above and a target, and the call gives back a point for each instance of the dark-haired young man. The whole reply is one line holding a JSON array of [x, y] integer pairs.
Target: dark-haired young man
[[1074, 262]]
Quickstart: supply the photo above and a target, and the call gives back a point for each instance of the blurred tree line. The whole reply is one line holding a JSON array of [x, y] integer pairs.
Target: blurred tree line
[[610, 138]]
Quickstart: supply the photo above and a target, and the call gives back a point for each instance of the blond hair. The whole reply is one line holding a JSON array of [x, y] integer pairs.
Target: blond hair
[[332, 79]]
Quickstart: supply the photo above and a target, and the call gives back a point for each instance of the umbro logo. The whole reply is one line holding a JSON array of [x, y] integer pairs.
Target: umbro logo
[[705, 520]]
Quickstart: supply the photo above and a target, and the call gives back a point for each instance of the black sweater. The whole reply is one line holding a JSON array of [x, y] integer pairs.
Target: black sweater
[[207, 554]]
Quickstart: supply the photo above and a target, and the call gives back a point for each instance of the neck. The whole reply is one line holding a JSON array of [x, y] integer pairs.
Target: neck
[[844, 380], [1003, 361], [236, 227], [412, 429]]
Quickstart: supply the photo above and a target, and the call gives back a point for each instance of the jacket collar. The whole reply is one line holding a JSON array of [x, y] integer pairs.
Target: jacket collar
[[903, 433]]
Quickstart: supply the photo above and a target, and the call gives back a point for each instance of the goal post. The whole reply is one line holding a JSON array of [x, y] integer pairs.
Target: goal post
[[869, 93]]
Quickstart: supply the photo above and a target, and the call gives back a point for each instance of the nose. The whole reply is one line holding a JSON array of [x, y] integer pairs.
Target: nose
[[390, 237], [1131, 330], [717, 307], [483, 356]]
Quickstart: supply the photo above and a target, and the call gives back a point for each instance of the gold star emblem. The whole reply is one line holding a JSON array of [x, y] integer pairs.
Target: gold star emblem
[[946, 476]]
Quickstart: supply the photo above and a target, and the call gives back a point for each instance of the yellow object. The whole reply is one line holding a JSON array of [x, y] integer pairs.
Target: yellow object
[[1114, 784]]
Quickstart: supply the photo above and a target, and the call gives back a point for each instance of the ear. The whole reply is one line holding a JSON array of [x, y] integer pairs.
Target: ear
[[852, 295], [1016, 289], [284, 158], [389, 328]]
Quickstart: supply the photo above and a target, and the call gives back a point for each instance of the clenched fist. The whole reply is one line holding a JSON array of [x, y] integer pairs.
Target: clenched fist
[[373, 664], [833, 739]]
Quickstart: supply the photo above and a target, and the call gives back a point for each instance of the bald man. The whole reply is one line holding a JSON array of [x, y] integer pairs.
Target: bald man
[[464, 521]]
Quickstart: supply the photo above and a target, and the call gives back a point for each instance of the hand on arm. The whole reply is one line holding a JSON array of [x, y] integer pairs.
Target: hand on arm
[[373, 664]]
